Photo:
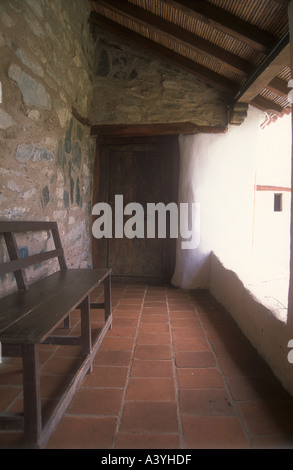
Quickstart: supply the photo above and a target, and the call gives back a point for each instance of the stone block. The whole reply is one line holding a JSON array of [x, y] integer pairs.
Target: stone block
[[68, 137], [76, 154], [66, 199], [61, 157], [33, 92], [6, 120], [41, 153], [2, 41], [71, 189], [46, 195], [34, 152], [103, 67], [13, 186], [34, 24], [33, 114], [63, 114], [32, 65], [78, 196], [23, 251], [5, 18], [35, 5]]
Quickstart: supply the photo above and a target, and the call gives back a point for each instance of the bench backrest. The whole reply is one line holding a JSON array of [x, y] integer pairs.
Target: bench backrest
[[17, 264]]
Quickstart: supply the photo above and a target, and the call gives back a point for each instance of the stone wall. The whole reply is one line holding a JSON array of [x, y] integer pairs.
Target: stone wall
[[133, 87], [46, 154], [53, 72]]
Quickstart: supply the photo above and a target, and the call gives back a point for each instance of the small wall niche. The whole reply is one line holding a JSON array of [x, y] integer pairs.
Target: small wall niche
[[278, 202]]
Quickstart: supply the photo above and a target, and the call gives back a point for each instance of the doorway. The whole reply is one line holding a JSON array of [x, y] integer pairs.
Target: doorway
[[142, 170]]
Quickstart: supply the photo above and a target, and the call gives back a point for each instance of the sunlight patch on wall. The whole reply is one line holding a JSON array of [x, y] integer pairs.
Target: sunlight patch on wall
[[272, 215]]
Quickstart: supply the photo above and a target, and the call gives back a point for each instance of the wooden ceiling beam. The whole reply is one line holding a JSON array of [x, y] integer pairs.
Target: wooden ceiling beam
[[266, 74], [173, 128], [278, 86], [165, 54], [227, 23], [283, 2], [266, 105], [178, 34]]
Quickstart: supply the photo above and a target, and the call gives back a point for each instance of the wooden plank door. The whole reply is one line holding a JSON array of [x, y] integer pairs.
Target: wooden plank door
[[142, 171]]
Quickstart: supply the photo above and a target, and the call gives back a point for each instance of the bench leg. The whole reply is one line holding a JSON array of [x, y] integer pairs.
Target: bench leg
[[86, 338], [31, 394], [107, 297]]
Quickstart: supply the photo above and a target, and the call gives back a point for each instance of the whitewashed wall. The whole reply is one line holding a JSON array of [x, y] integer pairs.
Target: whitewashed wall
[[218, 172]]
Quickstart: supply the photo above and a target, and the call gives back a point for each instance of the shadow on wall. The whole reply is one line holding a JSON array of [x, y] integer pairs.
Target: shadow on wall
[[268, 334]]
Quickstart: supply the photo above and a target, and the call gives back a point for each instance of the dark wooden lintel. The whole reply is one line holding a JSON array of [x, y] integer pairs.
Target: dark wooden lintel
[[119, 130]]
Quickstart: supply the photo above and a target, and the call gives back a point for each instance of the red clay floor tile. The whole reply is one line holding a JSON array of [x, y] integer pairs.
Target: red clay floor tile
[[199, 378], [84, 433], [204, 402], [96, 401], [148, 441], [174, 372], [150, 389], [146, 417], [214, 432], [152, 368]]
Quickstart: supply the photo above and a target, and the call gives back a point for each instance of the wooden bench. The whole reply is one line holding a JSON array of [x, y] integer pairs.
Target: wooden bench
[[29, 316]]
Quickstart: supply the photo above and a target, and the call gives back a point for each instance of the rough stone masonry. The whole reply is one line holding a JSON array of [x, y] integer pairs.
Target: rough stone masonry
[[50, 63], [46, 155]]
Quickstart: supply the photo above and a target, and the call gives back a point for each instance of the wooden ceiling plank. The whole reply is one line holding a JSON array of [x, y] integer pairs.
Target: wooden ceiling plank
[[180, 35], [227, 23], [165, 54]]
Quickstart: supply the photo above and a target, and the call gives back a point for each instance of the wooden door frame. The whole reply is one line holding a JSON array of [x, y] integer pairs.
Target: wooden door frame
[[99, 247]]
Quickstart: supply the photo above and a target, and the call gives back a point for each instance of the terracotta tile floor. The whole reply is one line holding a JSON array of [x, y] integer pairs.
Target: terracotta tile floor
[[173, 373]]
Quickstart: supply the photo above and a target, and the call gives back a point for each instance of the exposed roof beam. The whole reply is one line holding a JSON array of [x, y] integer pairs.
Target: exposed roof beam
[[165, 54], [283, 2], [173, 128], [228, 23], [278, 86], [266, 105], [180, 35], [270, 68]]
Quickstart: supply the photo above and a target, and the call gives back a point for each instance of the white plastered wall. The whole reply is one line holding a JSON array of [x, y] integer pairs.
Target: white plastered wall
[[290, 306], [218, 172]]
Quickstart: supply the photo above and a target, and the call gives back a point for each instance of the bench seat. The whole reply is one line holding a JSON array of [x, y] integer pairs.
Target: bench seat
[[30, 316]]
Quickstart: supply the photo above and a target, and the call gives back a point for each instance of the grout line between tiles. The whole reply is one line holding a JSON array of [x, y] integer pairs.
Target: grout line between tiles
[[123, 401], [232, 401], [179, 415]]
